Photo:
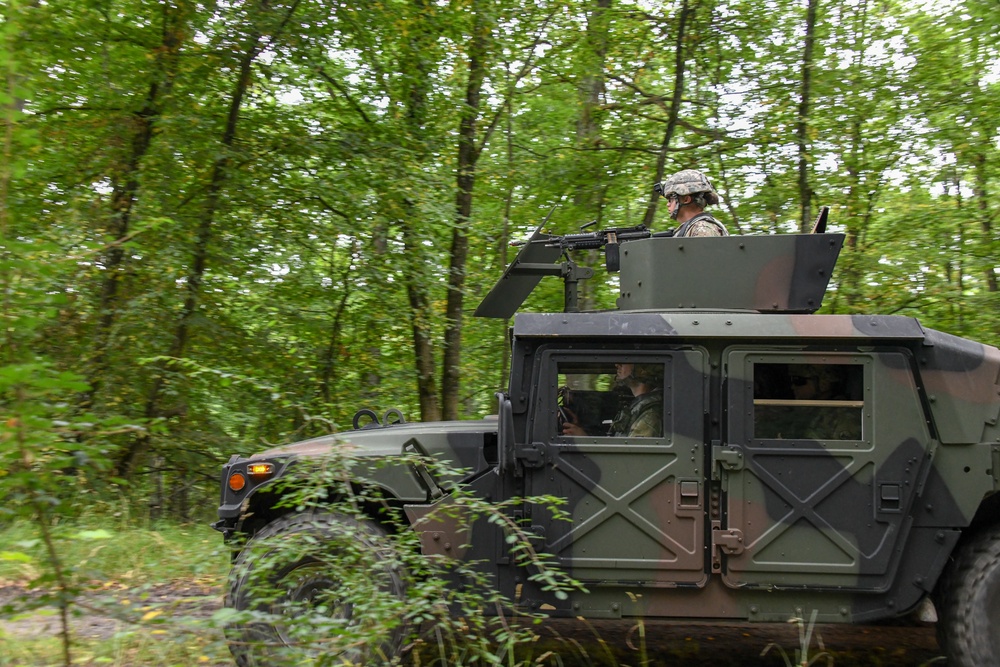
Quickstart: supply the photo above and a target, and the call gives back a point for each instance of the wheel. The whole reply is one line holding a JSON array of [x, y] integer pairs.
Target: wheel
[[969, 607], [318, 588]]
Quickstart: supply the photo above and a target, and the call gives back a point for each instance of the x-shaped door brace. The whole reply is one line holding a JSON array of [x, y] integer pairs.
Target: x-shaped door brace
[[616, 504], [803, 508]]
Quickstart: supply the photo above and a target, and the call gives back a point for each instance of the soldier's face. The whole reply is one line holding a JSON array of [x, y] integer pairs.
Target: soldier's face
[[673, 201], [623, 371], [804, 388]]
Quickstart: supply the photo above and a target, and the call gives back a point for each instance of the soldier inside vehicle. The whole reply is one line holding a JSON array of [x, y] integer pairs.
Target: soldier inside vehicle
[[808, 401], [625, 402]]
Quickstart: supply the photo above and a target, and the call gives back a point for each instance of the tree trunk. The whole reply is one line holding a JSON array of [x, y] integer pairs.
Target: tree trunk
[[802, 130], [132, 454], [418, 74], [125, 192], [330, 353], [985, 219], [502, 382], [981, 176], [468, 154], [423, 348], [590, 183], [673, 113]]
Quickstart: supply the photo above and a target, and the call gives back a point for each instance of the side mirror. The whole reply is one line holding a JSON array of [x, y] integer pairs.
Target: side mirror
[[505, 433]]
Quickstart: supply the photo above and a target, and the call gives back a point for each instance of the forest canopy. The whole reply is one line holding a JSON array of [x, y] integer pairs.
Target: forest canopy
[[226, 224]]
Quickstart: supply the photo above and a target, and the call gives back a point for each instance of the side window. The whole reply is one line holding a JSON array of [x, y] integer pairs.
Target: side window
[[821, 401], [608, 398]]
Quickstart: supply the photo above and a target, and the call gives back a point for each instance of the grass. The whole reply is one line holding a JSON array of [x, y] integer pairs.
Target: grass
[[801, 653], [126, 649], [124, 554], [142, 594], [126, 619]]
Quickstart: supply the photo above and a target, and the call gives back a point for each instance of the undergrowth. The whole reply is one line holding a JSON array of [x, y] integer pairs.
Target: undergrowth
[[144, 595], [105, 550]]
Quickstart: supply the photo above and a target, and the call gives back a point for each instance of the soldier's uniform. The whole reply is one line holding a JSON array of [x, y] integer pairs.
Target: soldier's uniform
[[834, 424], [811, 424], [702, 224], [825, 422], [642, 418]]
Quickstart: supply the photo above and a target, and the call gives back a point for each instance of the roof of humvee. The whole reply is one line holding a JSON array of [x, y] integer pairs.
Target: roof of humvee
[[711, 324]]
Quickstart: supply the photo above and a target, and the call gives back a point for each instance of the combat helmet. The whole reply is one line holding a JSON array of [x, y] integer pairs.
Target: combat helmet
[[651, 374], [689, 182]]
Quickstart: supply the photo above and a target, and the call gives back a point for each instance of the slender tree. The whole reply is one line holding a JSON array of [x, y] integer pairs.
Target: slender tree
[[479, 48], [802, 126], [219, 173], [676, 100], [175, 31]]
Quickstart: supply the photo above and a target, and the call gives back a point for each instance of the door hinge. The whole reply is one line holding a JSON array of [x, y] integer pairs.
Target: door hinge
[[728, 457], [530, 456], [419, 468]]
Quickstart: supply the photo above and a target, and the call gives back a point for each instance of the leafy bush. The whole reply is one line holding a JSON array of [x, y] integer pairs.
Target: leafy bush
[[341, 577]]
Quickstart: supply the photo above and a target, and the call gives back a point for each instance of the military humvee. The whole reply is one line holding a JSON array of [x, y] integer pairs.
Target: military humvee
[[753, 501]]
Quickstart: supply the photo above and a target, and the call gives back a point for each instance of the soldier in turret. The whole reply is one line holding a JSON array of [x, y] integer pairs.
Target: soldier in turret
[[688, 192]]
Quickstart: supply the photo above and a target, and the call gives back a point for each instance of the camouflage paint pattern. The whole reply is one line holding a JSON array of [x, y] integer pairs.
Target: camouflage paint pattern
[[468, 446], [711, 521]]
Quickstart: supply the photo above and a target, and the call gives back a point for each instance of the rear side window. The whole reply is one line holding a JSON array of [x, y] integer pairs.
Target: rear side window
[[815, 401]]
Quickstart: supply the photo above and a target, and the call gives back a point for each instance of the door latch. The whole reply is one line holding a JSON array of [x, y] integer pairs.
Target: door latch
[[728, 457], [729, 541]]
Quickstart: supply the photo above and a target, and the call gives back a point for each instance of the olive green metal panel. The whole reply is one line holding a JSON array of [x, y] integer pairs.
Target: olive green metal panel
[[962, 379], [784, 273], [826, 513], [636, 506], [534, 261]]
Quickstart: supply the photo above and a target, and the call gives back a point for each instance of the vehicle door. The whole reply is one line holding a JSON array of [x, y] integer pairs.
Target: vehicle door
[[817, 489], [635, 509]]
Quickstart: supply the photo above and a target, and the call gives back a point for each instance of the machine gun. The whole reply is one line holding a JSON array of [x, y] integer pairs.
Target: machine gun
[[610, 239], [538, 256]]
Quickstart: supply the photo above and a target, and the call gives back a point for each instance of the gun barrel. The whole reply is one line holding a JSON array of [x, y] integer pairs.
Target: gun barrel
[[594, 240], [589, 240]]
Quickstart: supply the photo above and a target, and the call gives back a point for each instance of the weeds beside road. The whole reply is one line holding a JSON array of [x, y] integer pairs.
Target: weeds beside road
[[152, 593], [170, 624]]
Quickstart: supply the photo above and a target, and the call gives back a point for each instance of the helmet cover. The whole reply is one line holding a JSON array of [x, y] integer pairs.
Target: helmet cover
[[689, 182]]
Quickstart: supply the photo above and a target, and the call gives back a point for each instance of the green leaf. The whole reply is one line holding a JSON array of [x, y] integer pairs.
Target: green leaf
[[97, 534], [16, 556]]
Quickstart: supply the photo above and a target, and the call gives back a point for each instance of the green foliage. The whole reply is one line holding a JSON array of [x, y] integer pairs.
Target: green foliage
[[359, 591], [142, 593], [233, 223], [119, 551]]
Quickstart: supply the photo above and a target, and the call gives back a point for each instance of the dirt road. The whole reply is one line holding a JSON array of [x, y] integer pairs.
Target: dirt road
[[740, 645]]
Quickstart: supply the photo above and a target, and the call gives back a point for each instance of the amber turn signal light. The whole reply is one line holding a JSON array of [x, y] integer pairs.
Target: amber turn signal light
[[237, 481], [260, 470]]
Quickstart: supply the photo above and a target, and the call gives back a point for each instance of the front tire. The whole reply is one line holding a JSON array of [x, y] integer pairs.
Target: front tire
[[322, 588], [969, 627]]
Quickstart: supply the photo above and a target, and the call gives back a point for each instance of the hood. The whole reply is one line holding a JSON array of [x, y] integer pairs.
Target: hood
[[435, 437]]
